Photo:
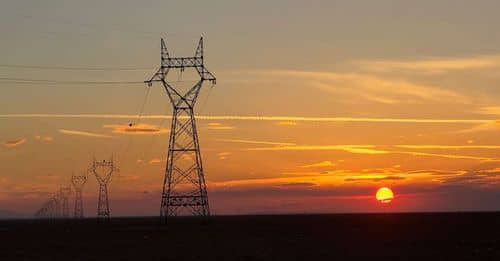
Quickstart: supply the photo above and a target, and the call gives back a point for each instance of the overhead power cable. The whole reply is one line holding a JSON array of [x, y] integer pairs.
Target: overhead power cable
[[67, 68]]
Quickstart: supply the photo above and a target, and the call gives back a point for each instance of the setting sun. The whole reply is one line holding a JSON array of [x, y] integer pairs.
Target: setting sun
[[384, 195]]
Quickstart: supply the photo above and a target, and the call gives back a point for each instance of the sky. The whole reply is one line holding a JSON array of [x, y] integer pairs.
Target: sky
[[317, 103]]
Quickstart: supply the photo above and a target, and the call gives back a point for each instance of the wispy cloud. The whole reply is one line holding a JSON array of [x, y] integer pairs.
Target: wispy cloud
[[46, 139], [223, 155], [325, 163], [136, 129], [438, 172], [448, 146], [374, 88], [286, 123], [261, 118], [83, 133], [489, 110], [257, 142], [155, 161], [374, 178], [358, 149], [219, 126], [372, 150], [483, 127], [14, 143], [431, 65], [449, 156]]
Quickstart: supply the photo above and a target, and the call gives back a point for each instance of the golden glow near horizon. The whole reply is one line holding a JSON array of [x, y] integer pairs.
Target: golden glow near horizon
[[384, 195]]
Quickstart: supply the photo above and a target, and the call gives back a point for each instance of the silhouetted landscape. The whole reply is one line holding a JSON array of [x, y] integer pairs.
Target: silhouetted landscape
[[432, 236]]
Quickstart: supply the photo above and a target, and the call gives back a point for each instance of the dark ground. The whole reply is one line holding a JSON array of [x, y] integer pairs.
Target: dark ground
[[444, 236]]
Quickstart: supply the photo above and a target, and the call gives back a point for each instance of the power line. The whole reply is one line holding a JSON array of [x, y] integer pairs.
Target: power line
[[47, 81], [66, 68], [32, 81]]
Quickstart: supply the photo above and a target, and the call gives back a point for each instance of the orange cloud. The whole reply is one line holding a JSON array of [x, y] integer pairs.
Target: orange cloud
[[83, 133], [136, 129], [374, 178], [14, 143], [286, 123], [326, 163], [223, 155], [433, 65], [155, 161], [46, 139], [219, 126], [449, 146], [358, 149], [257, 142], [372, 88], [259, 118]]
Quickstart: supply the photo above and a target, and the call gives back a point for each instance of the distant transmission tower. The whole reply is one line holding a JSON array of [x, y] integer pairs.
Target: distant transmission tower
[[184, 188], [103, 170], [78, 182], [50, 209], [64, 194]]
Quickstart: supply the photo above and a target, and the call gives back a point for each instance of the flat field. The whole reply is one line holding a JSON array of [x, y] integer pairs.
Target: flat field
[[419, 236]]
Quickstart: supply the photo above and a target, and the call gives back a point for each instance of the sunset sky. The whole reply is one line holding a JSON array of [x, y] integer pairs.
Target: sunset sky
[[317, 103]]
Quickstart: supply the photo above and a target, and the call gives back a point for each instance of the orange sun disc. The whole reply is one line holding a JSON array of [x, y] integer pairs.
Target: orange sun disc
[[384, 195]]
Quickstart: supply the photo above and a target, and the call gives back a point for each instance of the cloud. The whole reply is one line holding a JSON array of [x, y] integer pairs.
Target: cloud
[[223, 155], [370, 150], [449, 156], [260, 118], [326, 163], [298, 184], [136, 129], [46, 139], [489, 110], [14, 143], [373, 178], [357, 149], [83, 133], [431, 65], [483, 127], [448, 146], [257, 142], [155, 161], [374, 88], [436, 172], [286, 123], [219, 126]]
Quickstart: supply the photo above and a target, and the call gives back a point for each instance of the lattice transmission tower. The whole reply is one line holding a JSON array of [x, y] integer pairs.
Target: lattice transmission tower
[[78, 182], [103, 171], [184, 188], [64, 194], [50, 209]]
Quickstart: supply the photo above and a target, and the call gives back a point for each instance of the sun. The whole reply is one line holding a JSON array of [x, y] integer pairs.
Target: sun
[[384, 195]]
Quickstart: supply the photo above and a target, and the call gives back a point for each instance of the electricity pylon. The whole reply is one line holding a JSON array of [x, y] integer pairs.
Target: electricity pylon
[[184, 188], [64, 194], [78, 182], [50, 209], [103, 170]]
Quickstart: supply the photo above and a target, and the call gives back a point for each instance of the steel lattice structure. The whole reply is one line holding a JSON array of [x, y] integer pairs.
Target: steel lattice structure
[[57, 206], [64, 194], [184, 187], [103, 171], [78, 182], [50, 209]]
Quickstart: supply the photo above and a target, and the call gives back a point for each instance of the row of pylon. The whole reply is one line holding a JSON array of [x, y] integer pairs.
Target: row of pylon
[[57, 206]]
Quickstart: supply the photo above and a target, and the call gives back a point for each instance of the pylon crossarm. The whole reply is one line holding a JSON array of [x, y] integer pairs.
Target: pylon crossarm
[[173, 94]]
